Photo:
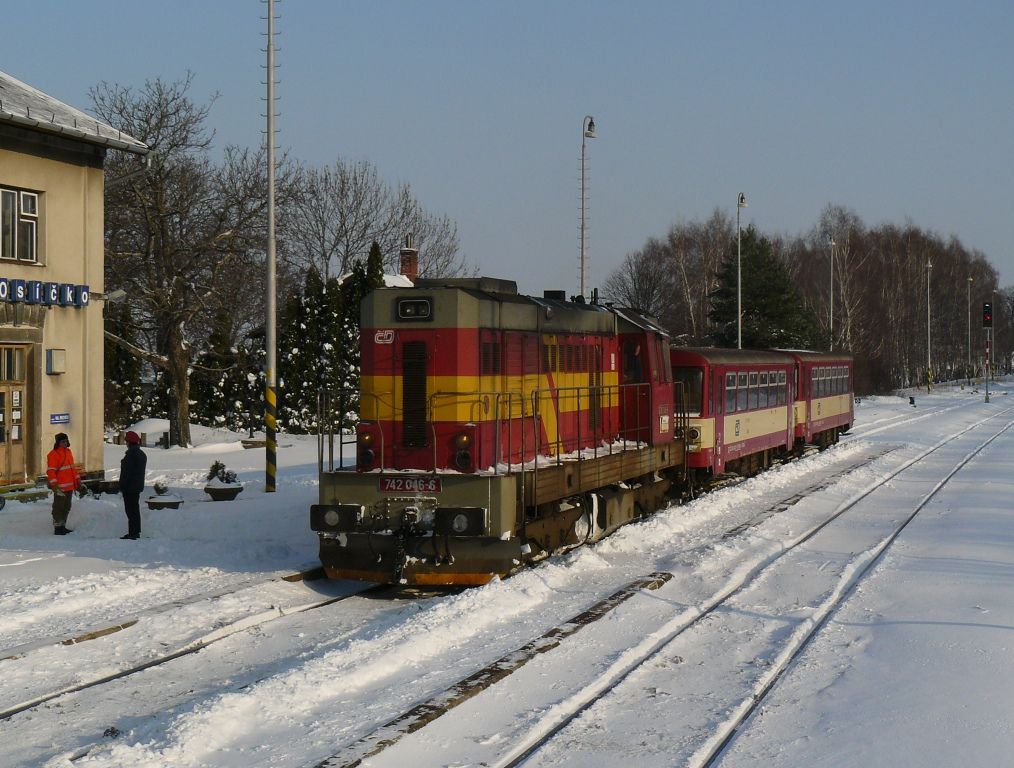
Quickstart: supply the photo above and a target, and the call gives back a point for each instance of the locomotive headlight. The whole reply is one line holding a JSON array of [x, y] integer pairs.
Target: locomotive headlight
[[331, 517], [463, 451], [365, 439], [694, 433], [460, 521]]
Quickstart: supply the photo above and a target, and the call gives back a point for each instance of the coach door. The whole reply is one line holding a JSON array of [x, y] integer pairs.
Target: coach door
[[13, 416]]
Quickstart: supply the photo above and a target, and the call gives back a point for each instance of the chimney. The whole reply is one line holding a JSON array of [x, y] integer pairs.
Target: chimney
[[410, 259]]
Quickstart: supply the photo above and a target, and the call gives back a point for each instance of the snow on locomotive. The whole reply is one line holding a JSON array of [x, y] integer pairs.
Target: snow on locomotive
[[495, 429]]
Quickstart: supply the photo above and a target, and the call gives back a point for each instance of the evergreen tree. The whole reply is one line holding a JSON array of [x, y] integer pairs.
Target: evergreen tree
[[309, 352], [124, 395], [774, 313], [208, 404], [364, 279]]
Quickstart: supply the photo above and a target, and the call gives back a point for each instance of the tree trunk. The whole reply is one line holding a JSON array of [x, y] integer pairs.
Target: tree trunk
[[178, 381]]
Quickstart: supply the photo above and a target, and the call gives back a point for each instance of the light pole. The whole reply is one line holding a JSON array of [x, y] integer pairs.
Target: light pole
[[831, 244], [587, 132], [968, 369], [740, 204], [929, 367]]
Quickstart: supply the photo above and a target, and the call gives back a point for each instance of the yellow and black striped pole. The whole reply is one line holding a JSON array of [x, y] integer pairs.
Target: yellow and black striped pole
[[270, 426]]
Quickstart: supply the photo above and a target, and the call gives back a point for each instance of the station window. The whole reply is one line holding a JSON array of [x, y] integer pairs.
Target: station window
[[12, 364], [19, 224]]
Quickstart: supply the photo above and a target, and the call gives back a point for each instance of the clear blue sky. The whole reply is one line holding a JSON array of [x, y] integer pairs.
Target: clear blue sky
[[897, 110]]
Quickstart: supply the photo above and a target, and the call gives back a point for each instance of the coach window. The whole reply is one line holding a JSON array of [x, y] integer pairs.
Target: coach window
[[762, 389], [730, 393], [741, 392], [753, 391], [692, 380]]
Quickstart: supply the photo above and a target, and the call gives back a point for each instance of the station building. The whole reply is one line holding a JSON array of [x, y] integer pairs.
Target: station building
[[51, 279]]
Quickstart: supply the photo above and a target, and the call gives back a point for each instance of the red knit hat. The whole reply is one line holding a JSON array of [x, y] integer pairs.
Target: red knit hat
[[133, 438]]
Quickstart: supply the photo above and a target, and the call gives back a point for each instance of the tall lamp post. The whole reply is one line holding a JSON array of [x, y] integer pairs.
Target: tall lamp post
[[830, 320], [587, 132], [740, 204], [929, 367], [968, 369]]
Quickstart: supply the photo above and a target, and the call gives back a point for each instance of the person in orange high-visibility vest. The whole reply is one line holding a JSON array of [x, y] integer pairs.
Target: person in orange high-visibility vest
[[64, 480]]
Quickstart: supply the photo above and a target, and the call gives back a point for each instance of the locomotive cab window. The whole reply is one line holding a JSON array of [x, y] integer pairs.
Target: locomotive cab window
[[415, 309]]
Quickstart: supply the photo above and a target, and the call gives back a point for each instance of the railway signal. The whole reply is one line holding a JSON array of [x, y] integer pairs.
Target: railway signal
[[987, 314]]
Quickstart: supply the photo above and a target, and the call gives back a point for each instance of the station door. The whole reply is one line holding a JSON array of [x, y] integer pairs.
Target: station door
[[13, 415]]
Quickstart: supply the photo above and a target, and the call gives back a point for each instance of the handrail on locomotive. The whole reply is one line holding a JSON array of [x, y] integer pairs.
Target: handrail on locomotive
[[605, 439]]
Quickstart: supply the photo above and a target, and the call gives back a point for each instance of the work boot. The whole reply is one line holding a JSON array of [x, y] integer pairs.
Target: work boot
[[62, 530], [131, 536]]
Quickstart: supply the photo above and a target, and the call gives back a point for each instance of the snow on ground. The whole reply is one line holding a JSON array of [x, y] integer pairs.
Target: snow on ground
[[912, 669]]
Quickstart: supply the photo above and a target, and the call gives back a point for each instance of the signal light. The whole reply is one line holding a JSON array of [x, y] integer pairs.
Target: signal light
[[987, 314]]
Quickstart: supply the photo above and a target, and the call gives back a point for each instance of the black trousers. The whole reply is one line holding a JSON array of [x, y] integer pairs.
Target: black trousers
[[132, 506]]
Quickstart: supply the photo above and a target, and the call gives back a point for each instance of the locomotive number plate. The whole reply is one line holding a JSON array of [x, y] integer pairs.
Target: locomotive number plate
[[410, 485]]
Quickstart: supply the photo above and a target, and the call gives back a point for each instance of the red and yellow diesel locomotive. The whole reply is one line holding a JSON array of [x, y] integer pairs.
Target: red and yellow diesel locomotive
[[496, 428]]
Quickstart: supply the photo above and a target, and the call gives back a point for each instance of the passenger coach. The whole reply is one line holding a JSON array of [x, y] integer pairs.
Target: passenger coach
[[739, 408]]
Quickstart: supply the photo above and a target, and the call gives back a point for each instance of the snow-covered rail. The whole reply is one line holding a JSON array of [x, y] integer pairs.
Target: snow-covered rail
[[528, 716], [219, 632]]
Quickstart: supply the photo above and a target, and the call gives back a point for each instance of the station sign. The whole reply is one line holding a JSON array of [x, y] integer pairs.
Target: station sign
[[16, 291]]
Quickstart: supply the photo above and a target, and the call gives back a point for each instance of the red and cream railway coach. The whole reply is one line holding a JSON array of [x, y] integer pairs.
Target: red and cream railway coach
[[495, 427], [739, 408], [824, 407]]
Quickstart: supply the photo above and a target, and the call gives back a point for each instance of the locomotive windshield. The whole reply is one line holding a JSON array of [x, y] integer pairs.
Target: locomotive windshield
[[692, 380]]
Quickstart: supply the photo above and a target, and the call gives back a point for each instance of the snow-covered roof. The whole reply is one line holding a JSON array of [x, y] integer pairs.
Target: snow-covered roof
[[390, 281], [23, 105]]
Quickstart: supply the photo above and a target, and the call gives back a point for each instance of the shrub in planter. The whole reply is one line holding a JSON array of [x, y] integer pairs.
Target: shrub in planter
[[222, 483]]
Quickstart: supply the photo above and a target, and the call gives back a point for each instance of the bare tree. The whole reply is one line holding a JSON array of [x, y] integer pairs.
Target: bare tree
[[183, 238], [344, 208], [642, 281]]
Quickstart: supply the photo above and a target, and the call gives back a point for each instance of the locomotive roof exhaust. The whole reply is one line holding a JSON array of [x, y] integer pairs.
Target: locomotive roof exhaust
[[410, 259]]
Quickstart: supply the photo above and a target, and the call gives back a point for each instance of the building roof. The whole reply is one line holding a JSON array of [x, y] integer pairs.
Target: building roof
[[28, 107], [390, 281]]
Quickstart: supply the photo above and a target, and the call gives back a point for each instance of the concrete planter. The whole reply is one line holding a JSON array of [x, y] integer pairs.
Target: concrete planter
[[164, 502], [223, 492]]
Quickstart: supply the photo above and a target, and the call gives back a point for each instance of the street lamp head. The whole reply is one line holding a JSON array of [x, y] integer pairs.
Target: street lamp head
[[741, 201], [589, 130], [830, 241]]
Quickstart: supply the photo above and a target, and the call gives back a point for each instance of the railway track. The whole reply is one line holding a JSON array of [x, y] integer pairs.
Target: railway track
[[215, 634], [530, 734]]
